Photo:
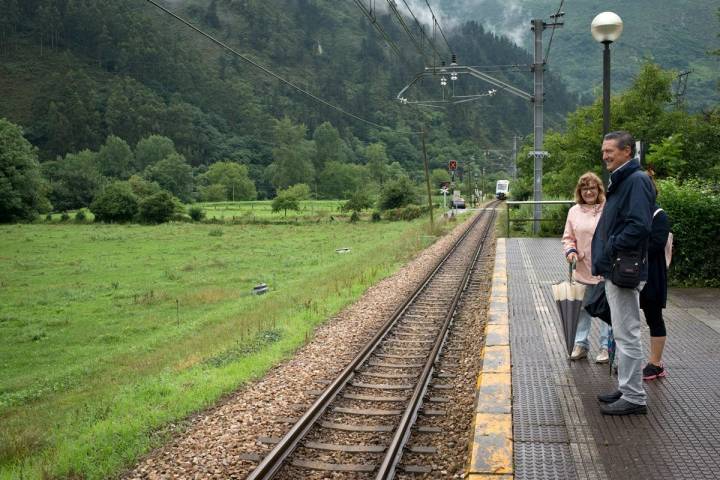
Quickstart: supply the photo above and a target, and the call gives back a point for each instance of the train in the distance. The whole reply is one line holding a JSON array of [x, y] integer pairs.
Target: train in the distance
[[502, 189]]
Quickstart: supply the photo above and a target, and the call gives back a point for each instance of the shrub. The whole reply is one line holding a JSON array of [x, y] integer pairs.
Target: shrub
[[694, 212], [48, 217], [360, 200], [397, 193], [157, 208], [286, 200], [354, 217], [196, 213], [80, 216], [410, 212], [64, 217], [376, 216], [117, 203]]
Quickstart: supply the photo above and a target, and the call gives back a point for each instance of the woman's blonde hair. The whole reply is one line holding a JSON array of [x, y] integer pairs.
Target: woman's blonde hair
[[589, 179]]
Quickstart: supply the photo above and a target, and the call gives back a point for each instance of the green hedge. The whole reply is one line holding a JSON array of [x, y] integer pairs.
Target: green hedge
[[694, 211]]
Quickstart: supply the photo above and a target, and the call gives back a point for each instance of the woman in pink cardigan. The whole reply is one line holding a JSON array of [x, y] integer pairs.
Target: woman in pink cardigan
[[579, 229]]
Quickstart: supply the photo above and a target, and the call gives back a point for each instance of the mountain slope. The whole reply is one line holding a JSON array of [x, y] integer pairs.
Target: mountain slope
[[79, 70], [674, 33]]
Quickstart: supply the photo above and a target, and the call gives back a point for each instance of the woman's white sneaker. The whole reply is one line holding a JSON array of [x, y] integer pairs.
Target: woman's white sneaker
[[603, 356], [578, 352]]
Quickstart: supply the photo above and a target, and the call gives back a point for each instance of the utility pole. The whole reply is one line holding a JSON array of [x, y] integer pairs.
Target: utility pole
[[538, 26], [514, 157], [427, 181]]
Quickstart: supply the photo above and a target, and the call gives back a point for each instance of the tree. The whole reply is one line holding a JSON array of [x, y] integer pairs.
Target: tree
[[152, 149], [397, 193], [132, 110], [117, 203], [143, 188], [328, 146], [74, 180], [377, 162], [213, 193], [173, 174], [157, 208], [359, 200], [291, 156], [234, 178], [286, 200], [439, 176], [666, 158], [115, 159], [300, 191], [23, 192], [338, 180]]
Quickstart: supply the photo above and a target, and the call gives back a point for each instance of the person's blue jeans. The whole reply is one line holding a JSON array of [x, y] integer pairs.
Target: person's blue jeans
[[583, 331]]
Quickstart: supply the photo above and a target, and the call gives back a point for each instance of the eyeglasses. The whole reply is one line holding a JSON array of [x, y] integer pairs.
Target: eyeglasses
[[589, 189]]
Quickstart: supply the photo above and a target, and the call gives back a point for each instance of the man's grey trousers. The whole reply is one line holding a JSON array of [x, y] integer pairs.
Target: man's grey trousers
[[625, 312]]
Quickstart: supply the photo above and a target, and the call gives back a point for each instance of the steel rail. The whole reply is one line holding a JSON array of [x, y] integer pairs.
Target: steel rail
[[275, 459], [402, 433]]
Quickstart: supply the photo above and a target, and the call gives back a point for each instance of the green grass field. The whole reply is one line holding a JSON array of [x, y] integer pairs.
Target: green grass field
[[110, 333], [262, 210]]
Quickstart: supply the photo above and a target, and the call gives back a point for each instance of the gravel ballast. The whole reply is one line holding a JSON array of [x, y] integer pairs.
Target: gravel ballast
[[223, 441]]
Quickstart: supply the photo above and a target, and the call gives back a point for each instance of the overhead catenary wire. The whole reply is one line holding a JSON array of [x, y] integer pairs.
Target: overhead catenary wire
[[421, 28], [373, 20], [437, 24], [266, 70], [401, 20], [552, 34]]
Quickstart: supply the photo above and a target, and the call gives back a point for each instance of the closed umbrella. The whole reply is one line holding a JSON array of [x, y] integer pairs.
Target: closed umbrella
[[568, 297]]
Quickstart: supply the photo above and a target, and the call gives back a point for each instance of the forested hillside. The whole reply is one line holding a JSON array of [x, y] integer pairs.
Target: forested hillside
[[675, 34], [104, 76]]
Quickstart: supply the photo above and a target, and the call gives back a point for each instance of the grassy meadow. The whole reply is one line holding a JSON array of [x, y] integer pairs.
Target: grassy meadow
[[259, 210], [110, 335]]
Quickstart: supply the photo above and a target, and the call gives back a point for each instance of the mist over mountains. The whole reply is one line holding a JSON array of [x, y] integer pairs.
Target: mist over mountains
[[677, 34]]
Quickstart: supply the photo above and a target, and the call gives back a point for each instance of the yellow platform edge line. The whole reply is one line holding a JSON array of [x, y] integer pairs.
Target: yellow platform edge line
[[491, 446]]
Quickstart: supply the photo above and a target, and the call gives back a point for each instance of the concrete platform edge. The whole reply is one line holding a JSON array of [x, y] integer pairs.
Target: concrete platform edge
[[491, 446]]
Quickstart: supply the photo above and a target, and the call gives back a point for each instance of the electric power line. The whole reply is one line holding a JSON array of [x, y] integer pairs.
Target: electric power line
[[265, 69], [398, 15], [421, 28], [437, 24], [552, 34], [391, 43]]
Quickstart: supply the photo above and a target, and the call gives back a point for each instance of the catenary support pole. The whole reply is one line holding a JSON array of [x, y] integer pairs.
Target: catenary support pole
[[538, 25], [514, 157]]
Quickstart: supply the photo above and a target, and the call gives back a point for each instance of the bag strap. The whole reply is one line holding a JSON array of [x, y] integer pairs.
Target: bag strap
[[657, 211]]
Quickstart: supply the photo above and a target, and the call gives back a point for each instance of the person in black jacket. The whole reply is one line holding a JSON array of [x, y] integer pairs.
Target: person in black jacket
[[654, 296], [624, 227]]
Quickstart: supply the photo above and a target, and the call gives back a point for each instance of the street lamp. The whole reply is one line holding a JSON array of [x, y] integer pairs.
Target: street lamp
[[606, 27]]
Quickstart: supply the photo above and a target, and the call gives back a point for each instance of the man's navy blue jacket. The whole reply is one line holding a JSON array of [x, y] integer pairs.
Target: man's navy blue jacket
[[626, 219]]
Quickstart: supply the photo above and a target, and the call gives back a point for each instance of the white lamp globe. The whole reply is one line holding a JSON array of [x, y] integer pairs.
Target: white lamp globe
[[606, 27]]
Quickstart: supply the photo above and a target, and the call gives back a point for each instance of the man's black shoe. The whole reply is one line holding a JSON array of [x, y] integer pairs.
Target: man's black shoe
[[623, 407], [610, 397]]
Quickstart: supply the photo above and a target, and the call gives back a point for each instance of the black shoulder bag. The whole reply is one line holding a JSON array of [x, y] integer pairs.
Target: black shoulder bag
[[626, 268]]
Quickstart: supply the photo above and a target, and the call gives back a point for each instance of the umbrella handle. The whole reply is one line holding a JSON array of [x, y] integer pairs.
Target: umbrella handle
[[571, 267]]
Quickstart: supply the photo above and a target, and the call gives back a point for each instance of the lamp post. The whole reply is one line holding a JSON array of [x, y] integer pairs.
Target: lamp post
[[606, 27]]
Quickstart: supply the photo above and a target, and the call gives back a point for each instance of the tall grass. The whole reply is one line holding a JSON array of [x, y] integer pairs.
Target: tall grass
[[109, 335]]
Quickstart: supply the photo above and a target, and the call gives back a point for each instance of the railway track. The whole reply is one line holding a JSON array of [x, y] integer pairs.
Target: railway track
[[360, 424]]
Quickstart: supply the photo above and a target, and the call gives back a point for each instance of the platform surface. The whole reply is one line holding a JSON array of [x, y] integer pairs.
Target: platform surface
[[557, 429]]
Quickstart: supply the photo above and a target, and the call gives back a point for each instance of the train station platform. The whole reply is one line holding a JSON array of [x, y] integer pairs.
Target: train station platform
[[537, 416]]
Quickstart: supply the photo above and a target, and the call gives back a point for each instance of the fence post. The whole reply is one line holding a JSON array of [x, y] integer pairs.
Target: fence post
[[507, 211]]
